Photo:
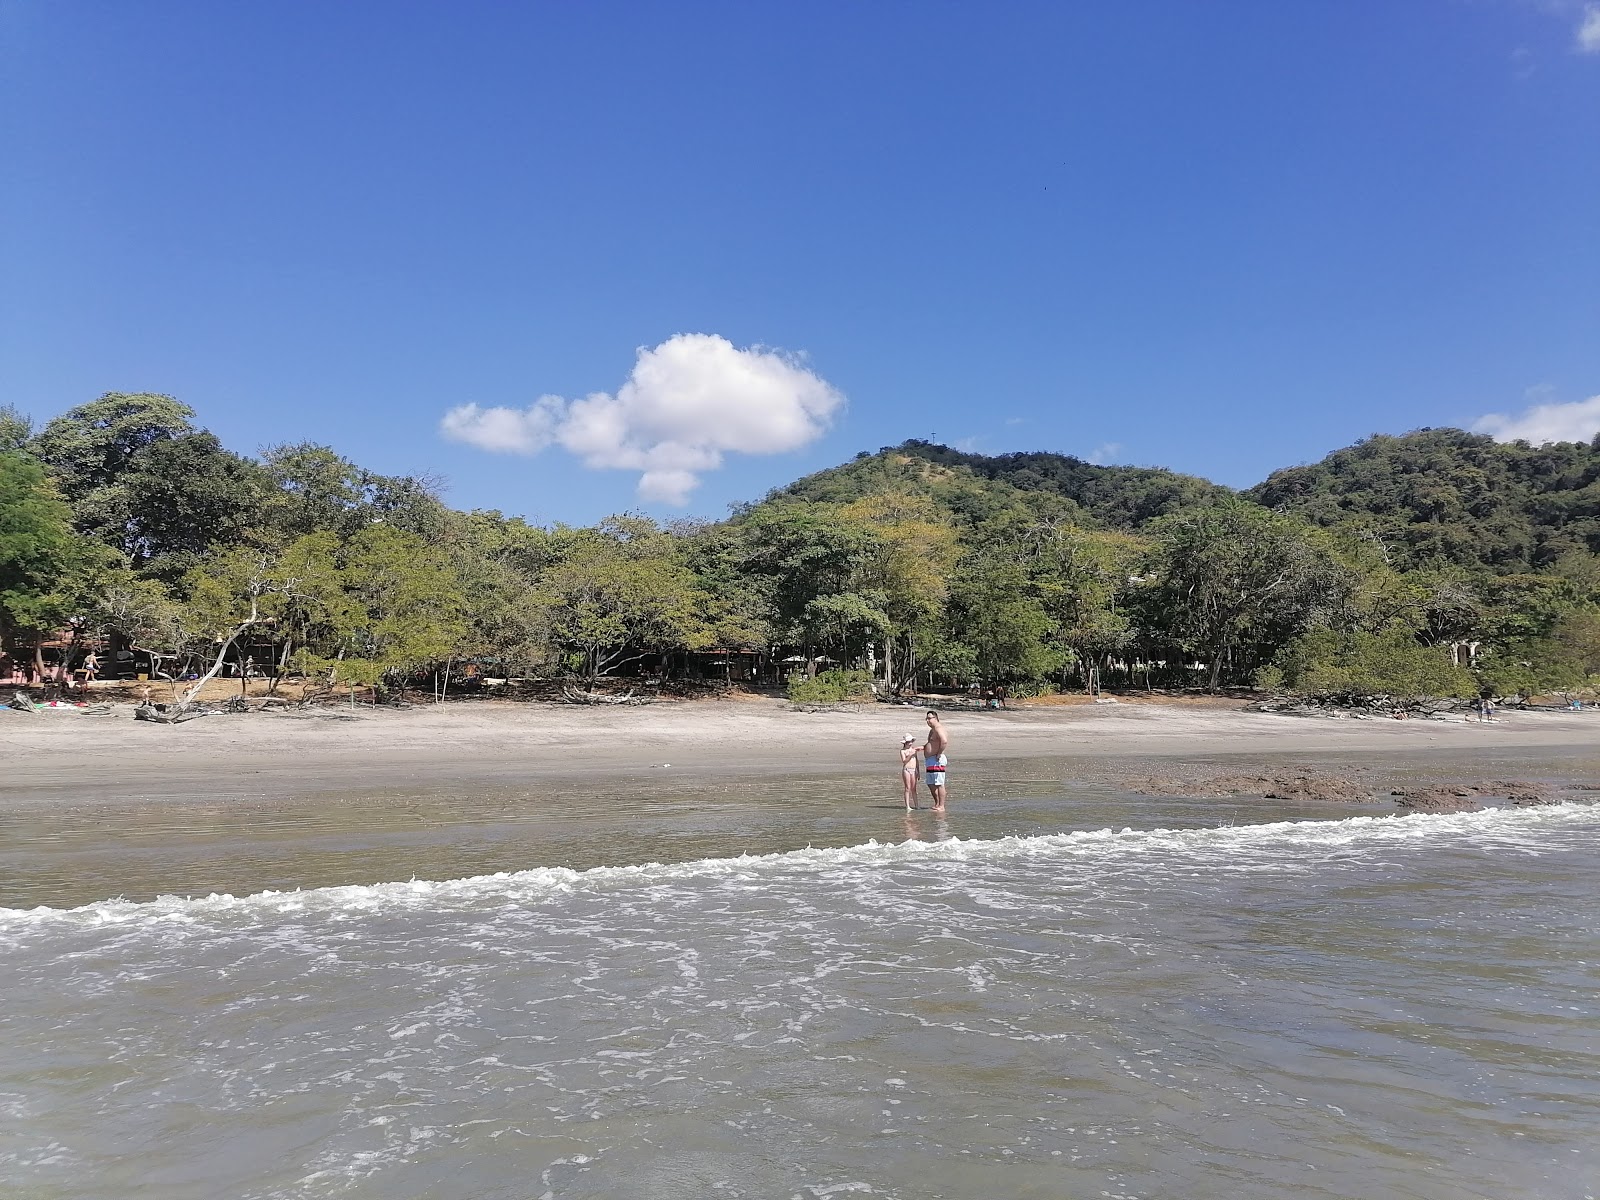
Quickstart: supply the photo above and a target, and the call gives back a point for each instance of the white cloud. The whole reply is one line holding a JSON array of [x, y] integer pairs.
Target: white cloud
[[505, 430], [687, 402], [1578, 421], [1589, 30], [1104, 453]]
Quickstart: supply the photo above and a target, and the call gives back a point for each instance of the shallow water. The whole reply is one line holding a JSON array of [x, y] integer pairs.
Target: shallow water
[[1187, 1007]]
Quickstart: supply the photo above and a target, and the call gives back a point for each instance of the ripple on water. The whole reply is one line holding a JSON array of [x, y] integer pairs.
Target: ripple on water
[[1375, 1006]]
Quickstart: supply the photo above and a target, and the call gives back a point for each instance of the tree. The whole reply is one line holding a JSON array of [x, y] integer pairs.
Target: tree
[[1234, 580], [143, 480], [15, 429], [1083, 579], [315, 488], [617, 593], [994, 613], [37, 549], [734, 609], [906, 581], [408, 598], [1565, 660], [96, 444], [1358, 664], [229, 596], [497, 562]]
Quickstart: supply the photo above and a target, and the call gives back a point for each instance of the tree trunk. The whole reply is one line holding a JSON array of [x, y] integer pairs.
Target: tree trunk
[[888, 665], [278, 665], [188, 698]]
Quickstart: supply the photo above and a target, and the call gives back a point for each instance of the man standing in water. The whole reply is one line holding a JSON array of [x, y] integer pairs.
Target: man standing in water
[[934, 759]]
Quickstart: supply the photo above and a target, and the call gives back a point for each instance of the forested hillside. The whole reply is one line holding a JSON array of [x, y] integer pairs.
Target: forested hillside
[[1439, 563], [975, 485], [1447, 496]]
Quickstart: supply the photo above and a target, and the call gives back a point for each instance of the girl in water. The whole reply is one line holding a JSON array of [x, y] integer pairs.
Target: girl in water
[[908, 769]]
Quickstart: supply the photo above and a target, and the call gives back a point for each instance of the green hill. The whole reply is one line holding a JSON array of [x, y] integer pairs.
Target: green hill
[[1448, 496], [1433, 497], [977, 485]]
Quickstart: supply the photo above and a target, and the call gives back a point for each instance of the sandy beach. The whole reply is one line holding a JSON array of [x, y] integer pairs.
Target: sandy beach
[[51, 756]]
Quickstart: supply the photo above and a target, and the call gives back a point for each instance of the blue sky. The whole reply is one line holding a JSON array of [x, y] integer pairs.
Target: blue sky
[[1217, 237]]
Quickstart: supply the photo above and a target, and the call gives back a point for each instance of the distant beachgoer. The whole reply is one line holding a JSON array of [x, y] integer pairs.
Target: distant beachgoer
[[936, 759], [908, 769], [1000, 693], [91, 667]]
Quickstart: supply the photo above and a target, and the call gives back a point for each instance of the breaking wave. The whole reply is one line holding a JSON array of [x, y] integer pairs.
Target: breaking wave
[[1269, 846]]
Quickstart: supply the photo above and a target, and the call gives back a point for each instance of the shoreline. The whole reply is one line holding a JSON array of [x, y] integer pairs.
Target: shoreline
[[69, 758], [100, 807]]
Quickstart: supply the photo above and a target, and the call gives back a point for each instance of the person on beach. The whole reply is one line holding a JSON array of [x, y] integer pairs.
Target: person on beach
[[908, 769], [935, 759]]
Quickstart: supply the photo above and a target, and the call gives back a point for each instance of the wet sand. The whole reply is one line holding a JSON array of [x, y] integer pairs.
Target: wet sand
[[49, 757]]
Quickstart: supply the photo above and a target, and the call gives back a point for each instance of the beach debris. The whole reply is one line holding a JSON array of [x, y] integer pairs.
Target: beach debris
[[1359, 707], [22, 702], [163, 714], [579, 696]]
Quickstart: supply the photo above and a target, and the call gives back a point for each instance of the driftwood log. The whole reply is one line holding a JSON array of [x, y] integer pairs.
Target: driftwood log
[[578, 696]]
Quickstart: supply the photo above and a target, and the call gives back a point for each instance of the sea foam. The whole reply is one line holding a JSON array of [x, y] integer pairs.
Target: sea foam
[[1232, 847]]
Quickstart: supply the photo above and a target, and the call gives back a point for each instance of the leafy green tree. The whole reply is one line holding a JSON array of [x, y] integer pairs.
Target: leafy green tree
[[618, 593], [97, 444], [378, 606], [1233, 580], [117, 603], [735, 610], [904, 583], [409, 598], [233, 593], [1084, 580], [1359, 664], [16, 429], [497, 563], [315, 489], [1564, 661], [143, 480], [38, 550], [994, 612]]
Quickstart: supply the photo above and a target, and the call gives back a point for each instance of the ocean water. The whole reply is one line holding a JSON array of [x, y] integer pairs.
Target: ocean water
[[1371, 1006]]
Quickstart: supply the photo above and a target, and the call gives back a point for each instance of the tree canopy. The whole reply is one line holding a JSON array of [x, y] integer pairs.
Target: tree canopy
[[1388, 565]]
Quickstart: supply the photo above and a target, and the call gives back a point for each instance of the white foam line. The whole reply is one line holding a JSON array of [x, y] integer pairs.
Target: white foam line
[[1507, 828]]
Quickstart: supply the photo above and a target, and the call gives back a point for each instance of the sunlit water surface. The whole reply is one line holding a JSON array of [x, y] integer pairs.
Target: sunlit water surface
[[1057, 992]]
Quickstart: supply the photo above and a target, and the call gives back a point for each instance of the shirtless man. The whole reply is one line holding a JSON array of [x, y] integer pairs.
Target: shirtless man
[[934, 760]]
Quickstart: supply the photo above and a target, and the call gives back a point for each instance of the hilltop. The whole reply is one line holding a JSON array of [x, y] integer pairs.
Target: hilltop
[[1432, 497], [1437, 496], [974, 486]]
